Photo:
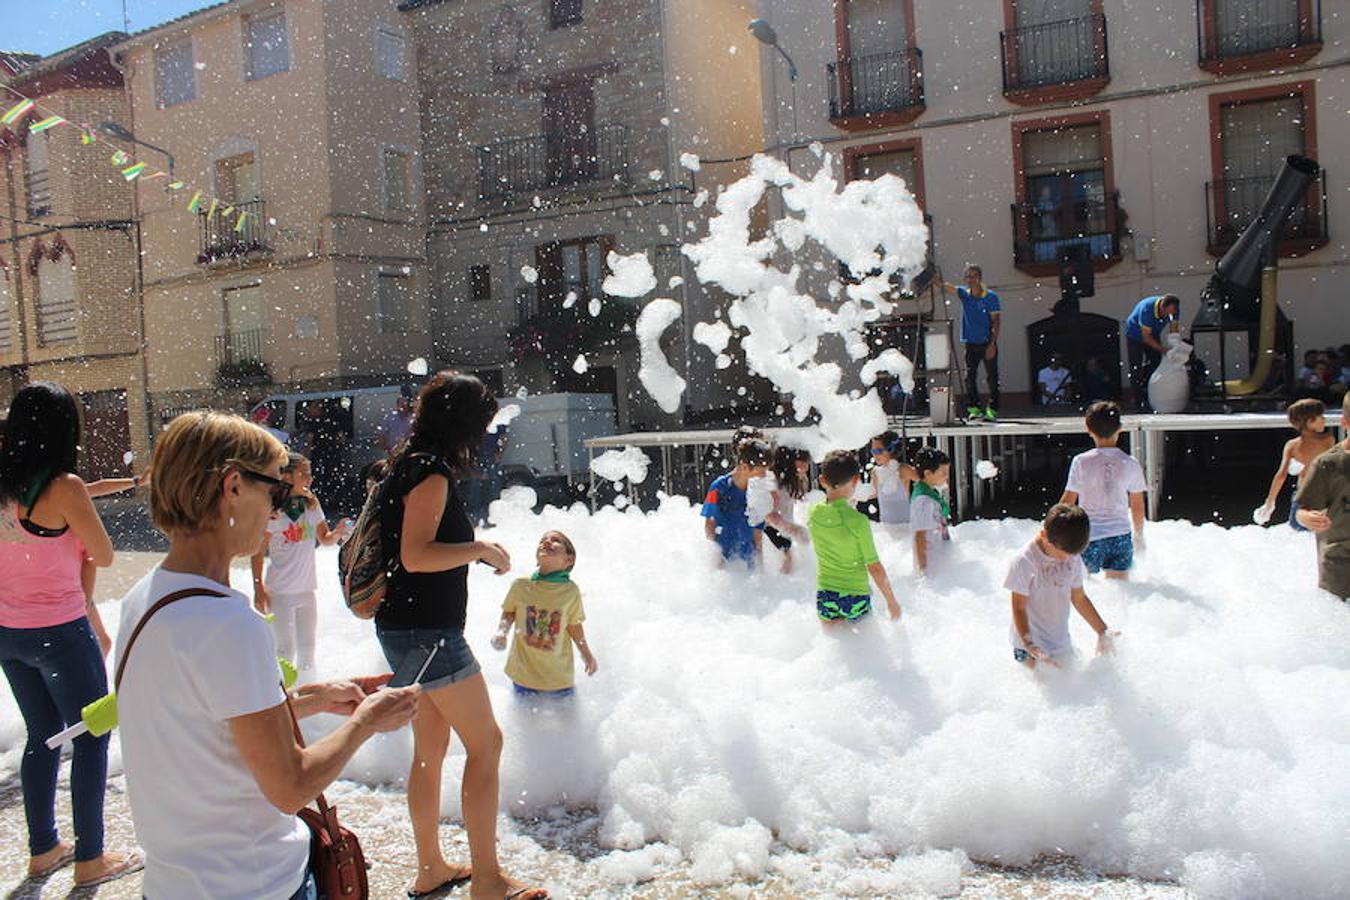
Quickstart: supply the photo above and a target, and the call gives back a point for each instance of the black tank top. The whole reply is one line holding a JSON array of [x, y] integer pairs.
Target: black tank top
[[422, 599]]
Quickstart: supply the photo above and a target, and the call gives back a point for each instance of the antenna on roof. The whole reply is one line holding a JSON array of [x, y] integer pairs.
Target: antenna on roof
[[126, 22]]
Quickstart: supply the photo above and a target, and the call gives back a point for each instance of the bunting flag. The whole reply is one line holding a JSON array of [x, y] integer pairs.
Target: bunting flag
[[239, 226], [176, 185], [155, 175], [87, 137], [120, 158], [16, 111], [195, 203], [130, 172], [211, 211], [49, 122]]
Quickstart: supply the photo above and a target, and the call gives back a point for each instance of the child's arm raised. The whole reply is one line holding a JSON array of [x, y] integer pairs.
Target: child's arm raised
[[578, 634], [503, 629], [878, 573], [1023, 629], [1089, 613]]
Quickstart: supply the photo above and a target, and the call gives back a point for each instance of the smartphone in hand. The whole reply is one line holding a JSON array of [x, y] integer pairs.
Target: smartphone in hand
[[413, 666]]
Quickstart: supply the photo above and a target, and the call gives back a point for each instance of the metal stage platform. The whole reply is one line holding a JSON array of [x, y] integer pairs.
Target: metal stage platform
[[968, 444]]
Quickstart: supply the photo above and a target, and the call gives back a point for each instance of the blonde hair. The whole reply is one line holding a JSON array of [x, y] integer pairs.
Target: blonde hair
[[188, 462]]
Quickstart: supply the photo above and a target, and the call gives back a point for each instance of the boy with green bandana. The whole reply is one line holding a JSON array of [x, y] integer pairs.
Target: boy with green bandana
[[929, 512], [845, 553]]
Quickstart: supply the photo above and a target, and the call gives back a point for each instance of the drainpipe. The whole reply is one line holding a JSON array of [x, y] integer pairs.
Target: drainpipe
[[18, 257]]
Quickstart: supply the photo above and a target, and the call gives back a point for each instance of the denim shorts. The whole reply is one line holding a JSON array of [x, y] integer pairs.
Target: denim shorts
[[525, 693], [1293, 516], [454, 661], [833, 606], [1114, 554]]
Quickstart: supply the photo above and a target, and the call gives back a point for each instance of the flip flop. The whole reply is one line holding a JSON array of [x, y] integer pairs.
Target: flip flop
[[516, 895], [448, 885], [133, 863], [60, 862]]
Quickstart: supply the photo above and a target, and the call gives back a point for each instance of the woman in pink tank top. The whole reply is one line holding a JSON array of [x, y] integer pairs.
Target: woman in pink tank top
[[52, 641]]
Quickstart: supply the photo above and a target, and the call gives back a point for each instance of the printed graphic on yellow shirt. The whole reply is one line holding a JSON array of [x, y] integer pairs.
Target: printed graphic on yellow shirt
[[542, 627]]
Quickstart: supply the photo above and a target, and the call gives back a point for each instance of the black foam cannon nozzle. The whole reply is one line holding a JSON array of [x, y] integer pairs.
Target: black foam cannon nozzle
[[1234, 290]]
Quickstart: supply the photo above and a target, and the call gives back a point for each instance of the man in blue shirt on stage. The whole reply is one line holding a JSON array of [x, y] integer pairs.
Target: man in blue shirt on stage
[[980, 320], [1143, 340]]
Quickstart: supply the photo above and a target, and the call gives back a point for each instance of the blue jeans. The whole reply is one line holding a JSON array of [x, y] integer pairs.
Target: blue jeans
[[54, 672], [309, 889]]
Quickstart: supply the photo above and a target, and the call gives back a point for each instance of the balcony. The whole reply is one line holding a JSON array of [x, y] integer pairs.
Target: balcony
[[876, 91], [537, 162], [39, 189], [1055, 61], [220, 238], [1232, 204], [1041, 232], [239, 358], [1271, 34]]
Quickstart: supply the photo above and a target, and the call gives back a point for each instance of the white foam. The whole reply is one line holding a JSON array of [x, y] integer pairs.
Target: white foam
[[616, 465], [529, 273], [630, 276], [655, 372]]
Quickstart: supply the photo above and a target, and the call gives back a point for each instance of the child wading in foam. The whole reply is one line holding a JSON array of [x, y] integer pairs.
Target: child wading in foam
[[1108, 483], [725, 521], [1308, 416], [1045, 580], [791, 469], [845, 553], [289, 589], [546, 610], [891, 483], [929, 511]]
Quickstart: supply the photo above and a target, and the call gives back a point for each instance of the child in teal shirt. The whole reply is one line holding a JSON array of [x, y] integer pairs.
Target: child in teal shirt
[[845, 553]]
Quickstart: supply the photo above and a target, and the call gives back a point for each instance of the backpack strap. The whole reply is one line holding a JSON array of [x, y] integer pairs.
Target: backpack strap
[[158, 605]]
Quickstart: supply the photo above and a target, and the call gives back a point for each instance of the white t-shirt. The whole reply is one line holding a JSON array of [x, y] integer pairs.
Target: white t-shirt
[[1055, 382], [206, 828], [925, 514], [889, 490], [1048, 586], [291, 552], [1103, 478]]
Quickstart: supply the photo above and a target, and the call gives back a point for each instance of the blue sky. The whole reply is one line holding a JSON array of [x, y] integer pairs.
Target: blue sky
[[46, 26]]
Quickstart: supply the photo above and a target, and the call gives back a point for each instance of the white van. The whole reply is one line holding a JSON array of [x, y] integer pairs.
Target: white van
[[363, 411]]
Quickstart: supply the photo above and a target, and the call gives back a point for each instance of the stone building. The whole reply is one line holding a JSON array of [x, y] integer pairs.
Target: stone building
[[302, 115], [69, 308], [1029, 126], [553, 132]]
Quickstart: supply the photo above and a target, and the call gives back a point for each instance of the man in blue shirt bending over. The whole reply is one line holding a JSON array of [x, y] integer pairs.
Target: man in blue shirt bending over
[[1143, 340], [980, 320]]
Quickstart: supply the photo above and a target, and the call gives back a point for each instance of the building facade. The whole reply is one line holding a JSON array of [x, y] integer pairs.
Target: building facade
[[553, 132], [302, 115], [69, 306], [1031, 127]]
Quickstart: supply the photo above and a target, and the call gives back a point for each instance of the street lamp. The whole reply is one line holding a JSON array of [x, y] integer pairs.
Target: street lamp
[[122, 134], [765, 34]]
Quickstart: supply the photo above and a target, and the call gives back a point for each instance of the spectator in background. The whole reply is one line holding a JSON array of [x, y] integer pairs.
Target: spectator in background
[[262, 416], [981, 319], [325, 440], [397, 424], [1144, 329], [1097, 385], [1055, 383]]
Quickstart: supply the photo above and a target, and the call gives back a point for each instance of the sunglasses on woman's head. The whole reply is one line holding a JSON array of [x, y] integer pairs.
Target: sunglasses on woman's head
[[279, 490]]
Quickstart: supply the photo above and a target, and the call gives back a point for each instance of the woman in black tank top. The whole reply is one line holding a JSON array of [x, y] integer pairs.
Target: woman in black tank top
[[430, 543]]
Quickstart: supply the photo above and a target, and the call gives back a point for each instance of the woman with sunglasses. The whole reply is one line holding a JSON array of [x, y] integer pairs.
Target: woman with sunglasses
[[52, 640], [430, 537], [214, 772]]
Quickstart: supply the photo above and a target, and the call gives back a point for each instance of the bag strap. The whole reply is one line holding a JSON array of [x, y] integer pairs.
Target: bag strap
[[158, 605], [330, 822]]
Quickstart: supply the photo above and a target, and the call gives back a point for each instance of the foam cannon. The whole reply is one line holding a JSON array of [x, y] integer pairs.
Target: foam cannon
[[1242, 293]]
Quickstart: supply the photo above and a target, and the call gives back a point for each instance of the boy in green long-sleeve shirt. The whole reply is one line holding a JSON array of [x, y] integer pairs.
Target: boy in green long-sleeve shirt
[[845, 553]]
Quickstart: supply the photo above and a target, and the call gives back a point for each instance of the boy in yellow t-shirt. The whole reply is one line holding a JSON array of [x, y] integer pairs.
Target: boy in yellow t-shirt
[[546, 610]]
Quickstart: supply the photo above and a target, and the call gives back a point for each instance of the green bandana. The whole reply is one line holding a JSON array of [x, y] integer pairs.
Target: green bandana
[[562, 577], [927, 490], [295, 508]]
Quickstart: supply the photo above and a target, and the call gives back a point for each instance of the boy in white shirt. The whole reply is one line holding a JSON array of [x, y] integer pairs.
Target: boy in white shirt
[[1045, 580], [929, 511], [1108, 483], [1055, 383]]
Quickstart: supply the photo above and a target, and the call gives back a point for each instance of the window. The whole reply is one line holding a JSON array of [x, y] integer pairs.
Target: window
[[1253, 35], [265, 46], [56, 302], [569, 133], [480, 283], [37, 183], [175, 77], [396, 193], [390, 56], [901, 162], [237, 179], [6, 328], [570, 273], [1064, 189], [392, 290], [563, 13], [244, 320], [878, 70], [1054, 42]]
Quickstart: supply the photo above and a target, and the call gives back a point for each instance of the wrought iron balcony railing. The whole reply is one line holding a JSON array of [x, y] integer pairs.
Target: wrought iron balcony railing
[[222, 237], [539, 162], [239, 358], [1232, 204], [879, 83], [1055, 53], [1261, 26], [1041, 232]]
